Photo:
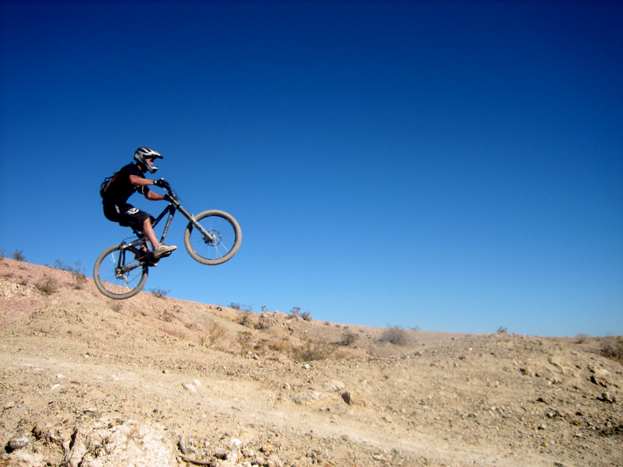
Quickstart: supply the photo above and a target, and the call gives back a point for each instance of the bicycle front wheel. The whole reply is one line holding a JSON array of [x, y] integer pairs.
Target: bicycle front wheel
[[219, 241], [117, 274]]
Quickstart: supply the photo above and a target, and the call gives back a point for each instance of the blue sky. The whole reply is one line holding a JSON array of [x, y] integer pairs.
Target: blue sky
[[456, 166]]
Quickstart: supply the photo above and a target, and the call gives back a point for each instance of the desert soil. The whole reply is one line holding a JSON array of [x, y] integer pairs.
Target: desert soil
[[152, 381]]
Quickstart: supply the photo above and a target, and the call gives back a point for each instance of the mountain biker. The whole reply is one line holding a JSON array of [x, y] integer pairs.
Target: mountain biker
[[128, 180]]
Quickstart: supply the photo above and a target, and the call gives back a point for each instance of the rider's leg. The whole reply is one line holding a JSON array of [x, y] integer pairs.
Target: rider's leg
[[148, 231]]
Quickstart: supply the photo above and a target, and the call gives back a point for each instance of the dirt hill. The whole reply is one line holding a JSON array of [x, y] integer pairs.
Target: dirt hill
[[154, 381]]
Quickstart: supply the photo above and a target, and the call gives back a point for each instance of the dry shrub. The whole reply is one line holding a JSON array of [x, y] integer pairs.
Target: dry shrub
[[18, 255], [159, 293], [281, 345], [245, 342], [47, 285], [349, 338], [395, 335], [216, 333], [245, 318], [613, 349], [311, 351]]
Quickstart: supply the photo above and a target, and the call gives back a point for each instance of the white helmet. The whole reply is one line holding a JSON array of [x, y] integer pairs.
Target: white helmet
[[142, 154]]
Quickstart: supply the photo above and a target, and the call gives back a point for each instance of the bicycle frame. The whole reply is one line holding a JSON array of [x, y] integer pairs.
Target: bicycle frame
[[174, 205], [211, 237]]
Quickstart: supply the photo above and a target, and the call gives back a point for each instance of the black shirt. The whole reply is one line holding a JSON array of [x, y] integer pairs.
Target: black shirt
[[121, 189]]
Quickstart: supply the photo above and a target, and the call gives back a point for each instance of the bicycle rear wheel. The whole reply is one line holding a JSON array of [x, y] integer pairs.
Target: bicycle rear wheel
[[220, 245], [117, 274]]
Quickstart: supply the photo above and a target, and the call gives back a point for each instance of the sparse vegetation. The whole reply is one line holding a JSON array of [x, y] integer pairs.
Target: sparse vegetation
[[245, 342], [581, 338], [295, 312], [77, 272], [395, 335], [307, 316], [311, 351], [216, 333], [48, 285], [245, 318], [349, 338], [160, 293], [613, 348], [502, 330], [18, 255]]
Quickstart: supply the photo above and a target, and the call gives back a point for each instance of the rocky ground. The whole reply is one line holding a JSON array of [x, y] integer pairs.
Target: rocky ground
[[86, 381]]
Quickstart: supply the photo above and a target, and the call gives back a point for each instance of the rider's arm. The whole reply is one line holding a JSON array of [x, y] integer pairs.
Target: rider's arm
[[140, 181]]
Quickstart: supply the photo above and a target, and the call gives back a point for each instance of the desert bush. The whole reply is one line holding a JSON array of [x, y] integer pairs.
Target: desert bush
[[47, 285], [77, 272], [307, 316], [349, 338], [581, 338], [613, 349], [295, 312], [311, 351], [160, 293], [395, 335], [280, 345], [216, 333], [18, 255], [502, 330], [264, 309], [245, 342], [245, 318], [235, 306], [263, 323]]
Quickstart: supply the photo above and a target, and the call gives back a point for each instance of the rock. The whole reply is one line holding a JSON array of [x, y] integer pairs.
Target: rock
[[601, 378], [333, 386], [17, 443], [607, 397], [350, 400], [306, 397], [560, 364]]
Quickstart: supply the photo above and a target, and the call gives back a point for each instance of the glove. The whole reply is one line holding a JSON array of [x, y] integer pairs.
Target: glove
[[162, 183]]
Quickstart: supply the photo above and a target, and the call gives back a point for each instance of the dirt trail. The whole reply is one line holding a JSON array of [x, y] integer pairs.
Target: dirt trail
[[89, 382]]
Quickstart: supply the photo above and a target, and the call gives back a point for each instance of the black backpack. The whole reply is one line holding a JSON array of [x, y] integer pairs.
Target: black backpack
[[106, 184]]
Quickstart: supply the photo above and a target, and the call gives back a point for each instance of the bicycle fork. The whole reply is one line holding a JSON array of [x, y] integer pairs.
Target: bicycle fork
[[208, 236]]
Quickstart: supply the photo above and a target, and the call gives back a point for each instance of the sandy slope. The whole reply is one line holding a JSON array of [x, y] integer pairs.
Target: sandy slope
[[86, 381]]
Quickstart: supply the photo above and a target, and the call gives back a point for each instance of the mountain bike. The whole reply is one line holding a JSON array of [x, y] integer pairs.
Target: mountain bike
[[211, 237]]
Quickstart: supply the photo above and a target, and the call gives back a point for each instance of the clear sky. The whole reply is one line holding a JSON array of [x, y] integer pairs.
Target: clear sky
[[455, 166]]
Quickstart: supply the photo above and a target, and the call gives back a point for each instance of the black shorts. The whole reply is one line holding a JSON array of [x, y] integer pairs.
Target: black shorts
[[126, 215]]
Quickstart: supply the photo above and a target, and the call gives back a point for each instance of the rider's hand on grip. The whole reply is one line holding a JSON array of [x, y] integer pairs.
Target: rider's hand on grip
[[162, 183]]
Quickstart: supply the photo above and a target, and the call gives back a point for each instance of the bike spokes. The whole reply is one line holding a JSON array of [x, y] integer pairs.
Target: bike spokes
[[118, 274], [213, 238]]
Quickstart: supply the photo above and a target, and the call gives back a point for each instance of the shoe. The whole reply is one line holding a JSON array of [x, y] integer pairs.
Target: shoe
[[163, 250], [141, 255]]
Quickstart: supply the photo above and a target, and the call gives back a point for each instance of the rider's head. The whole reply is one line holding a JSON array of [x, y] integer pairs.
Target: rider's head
[[142, 155]]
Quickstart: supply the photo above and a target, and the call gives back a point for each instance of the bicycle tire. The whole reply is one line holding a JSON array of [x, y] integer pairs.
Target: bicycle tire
[[228, 238], [112, 283]]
